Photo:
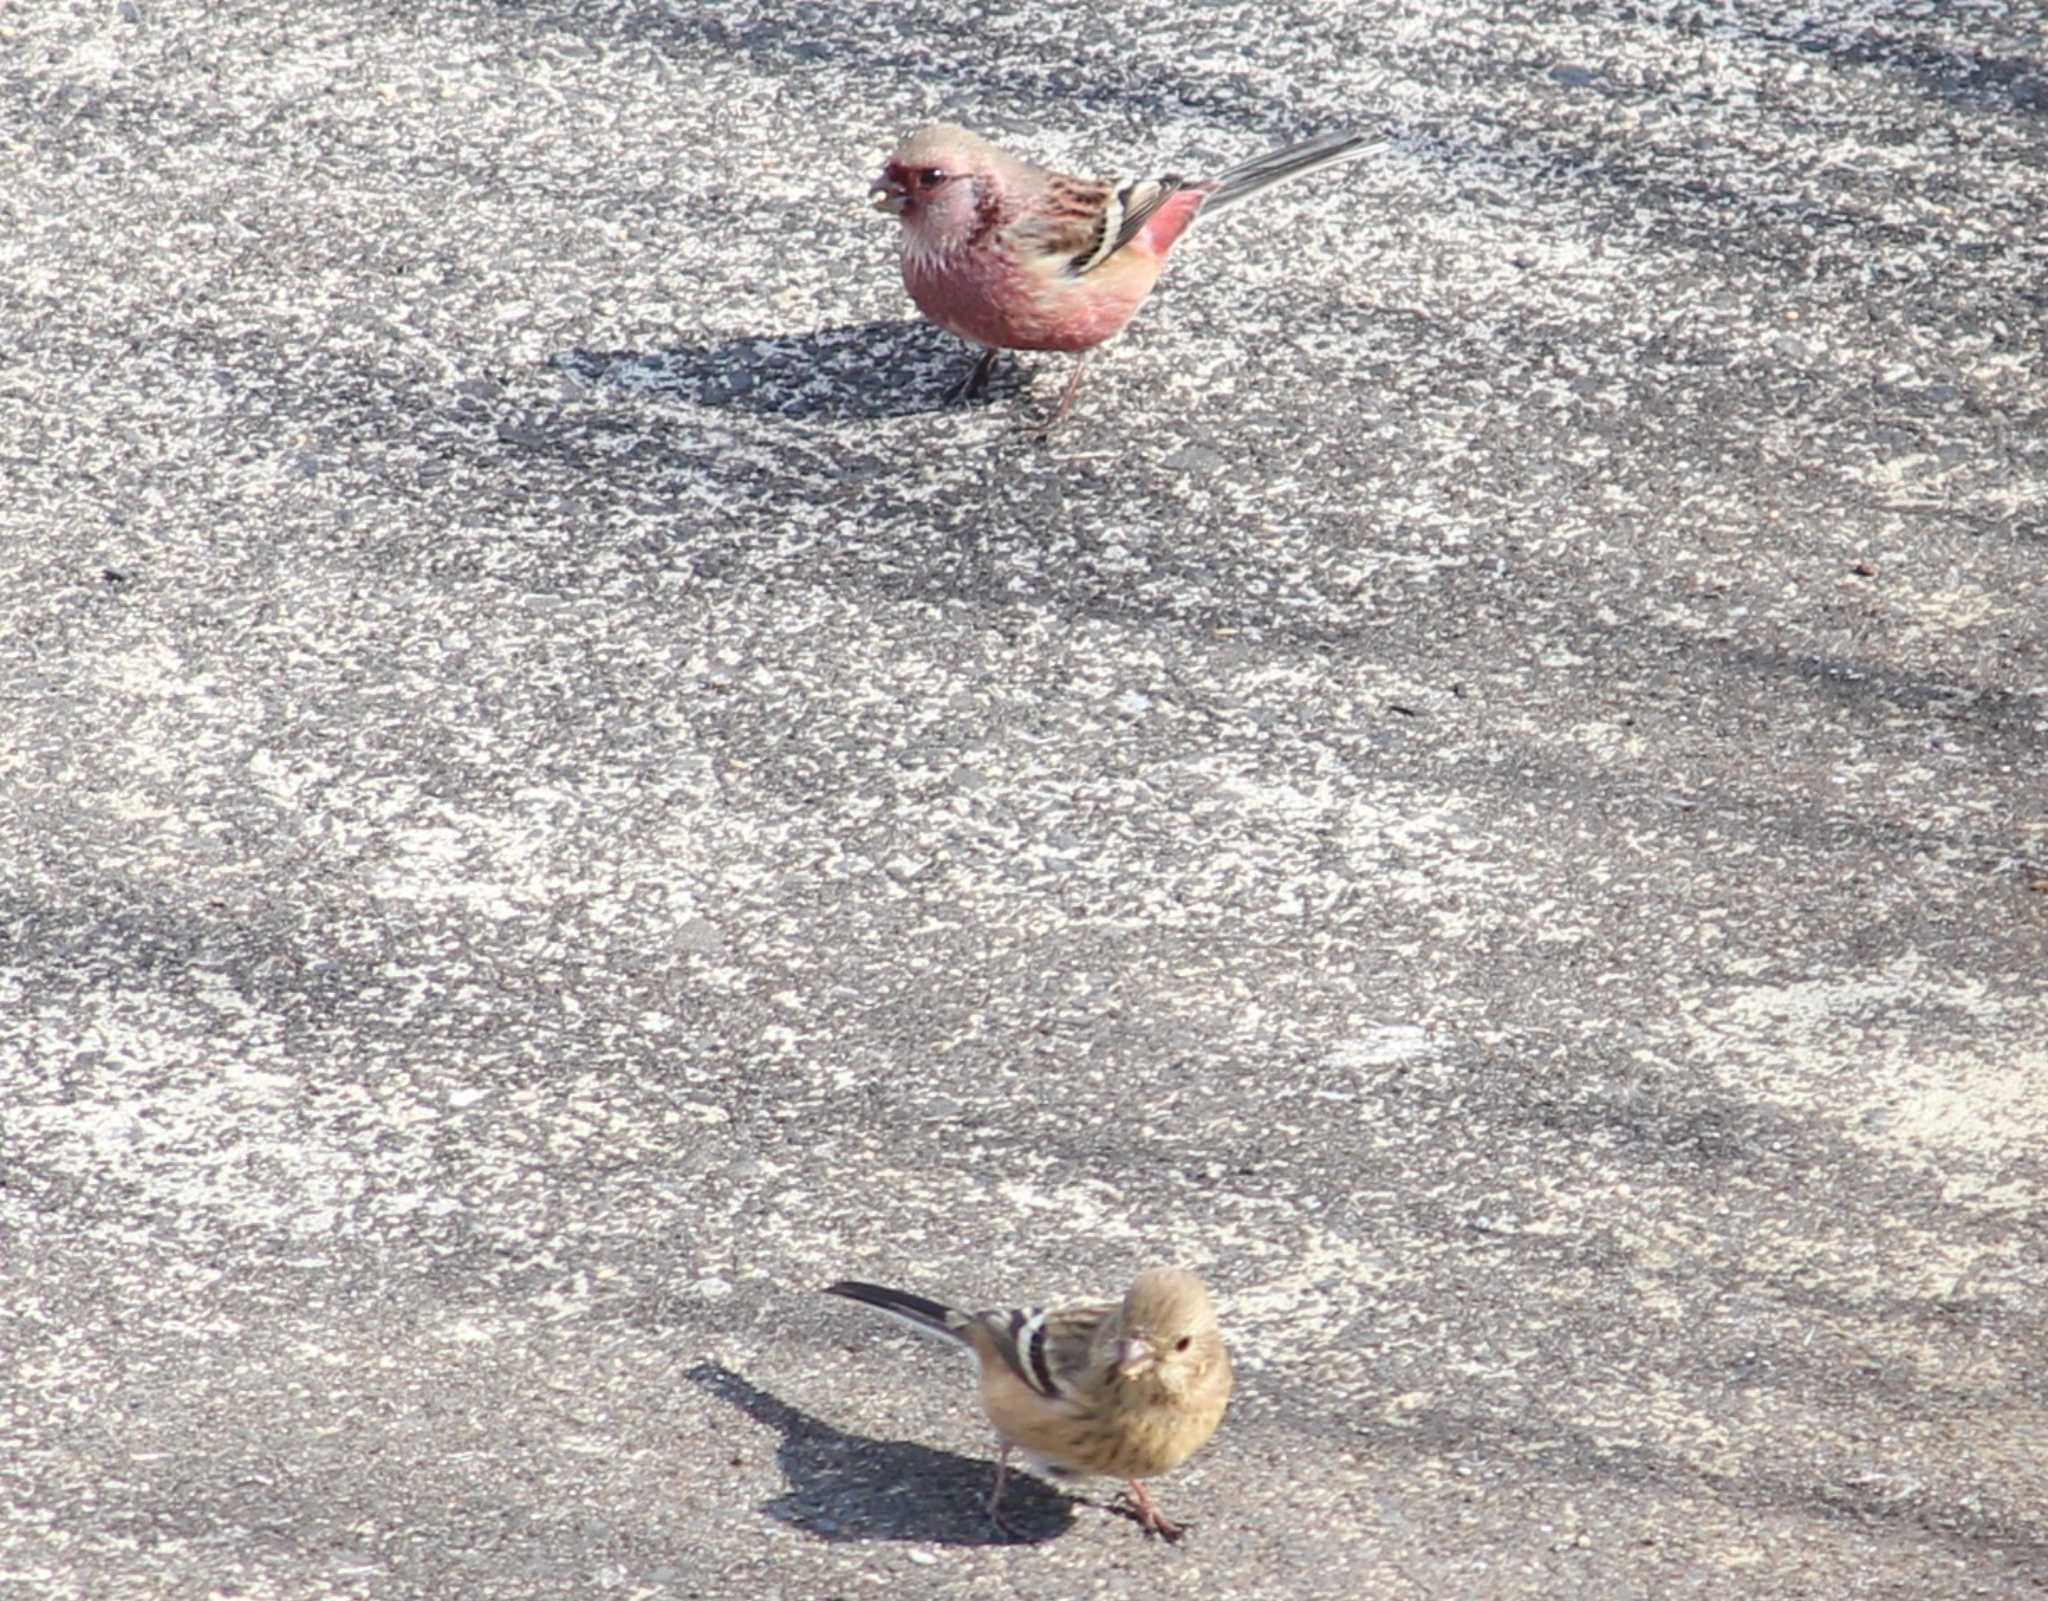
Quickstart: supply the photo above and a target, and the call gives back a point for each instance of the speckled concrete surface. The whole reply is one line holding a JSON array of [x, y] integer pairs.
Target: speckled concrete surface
[[1490, 793]]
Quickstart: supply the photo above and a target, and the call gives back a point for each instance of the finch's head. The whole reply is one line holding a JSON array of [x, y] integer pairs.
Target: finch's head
[[944, 184], [1167, 1336]]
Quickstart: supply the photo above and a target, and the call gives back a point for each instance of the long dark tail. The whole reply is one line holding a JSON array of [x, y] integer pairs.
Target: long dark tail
[[927, 1317], [1241, 183]]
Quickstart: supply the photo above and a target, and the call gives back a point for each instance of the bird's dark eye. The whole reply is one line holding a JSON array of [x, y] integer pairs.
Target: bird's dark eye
[[1183, 1342], [932, 177]]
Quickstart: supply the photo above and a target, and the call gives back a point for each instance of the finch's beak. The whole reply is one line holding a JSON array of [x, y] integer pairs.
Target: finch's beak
[[886, 196], [1135, 1359]]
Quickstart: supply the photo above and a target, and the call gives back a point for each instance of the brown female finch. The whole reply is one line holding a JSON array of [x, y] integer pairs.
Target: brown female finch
[[1013, 256], [1130, 1390]]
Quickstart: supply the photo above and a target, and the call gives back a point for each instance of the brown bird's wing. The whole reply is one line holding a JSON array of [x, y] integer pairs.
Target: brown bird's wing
[[1047, 1351]]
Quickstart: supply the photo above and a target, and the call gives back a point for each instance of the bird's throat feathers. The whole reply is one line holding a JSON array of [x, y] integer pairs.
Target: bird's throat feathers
[[1163, 1384], [935, 233]]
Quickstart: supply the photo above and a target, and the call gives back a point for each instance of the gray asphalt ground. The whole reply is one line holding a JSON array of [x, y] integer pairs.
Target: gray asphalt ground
[[1489, 794]]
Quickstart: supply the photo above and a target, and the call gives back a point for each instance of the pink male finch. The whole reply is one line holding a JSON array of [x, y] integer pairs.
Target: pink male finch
[[1012, 256]]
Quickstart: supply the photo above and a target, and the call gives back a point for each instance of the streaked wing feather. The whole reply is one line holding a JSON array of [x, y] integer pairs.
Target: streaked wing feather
[[1046, 1350], [1126, 209], [1083, 223]]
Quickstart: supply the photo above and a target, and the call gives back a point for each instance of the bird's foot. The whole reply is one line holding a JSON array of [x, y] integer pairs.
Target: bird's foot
[[1150, 1518], [1043, 431], [975, 382], [995, 1494]]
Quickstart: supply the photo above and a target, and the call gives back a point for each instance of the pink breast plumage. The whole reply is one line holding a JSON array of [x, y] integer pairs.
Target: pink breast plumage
[[990, 298]]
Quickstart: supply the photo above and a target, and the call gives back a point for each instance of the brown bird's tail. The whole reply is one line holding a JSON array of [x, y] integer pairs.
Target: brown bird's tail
[[927, 1317]]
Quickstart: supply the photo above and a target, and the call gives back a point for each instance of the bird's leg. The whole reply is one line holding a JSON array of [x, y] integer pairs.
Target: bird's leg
[[1067, 395], [1150, 1518], [995, 1495], [977, 378]]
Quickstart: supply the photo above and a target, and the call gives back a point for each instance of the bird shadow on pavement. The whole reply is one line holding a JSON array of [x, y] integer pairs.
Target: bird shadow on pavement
[[848, 1487], [864, 370]]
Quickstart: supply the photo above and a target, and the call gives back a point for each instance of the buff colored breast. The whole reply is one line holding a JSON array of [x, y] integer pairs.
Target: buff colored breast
[[1139, 1436]]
